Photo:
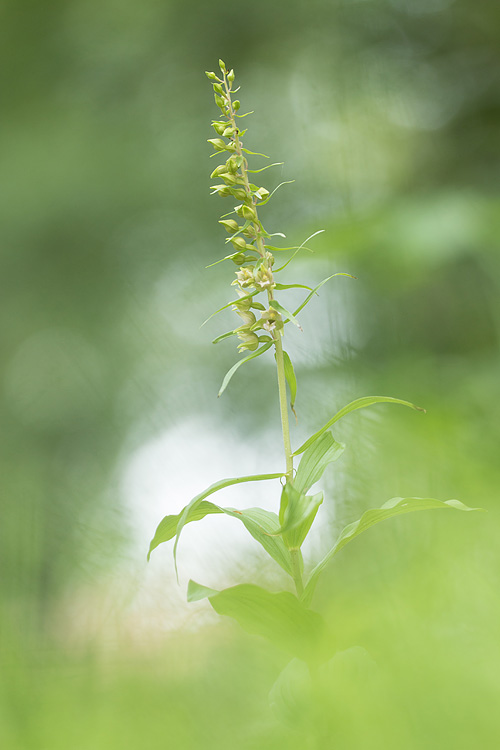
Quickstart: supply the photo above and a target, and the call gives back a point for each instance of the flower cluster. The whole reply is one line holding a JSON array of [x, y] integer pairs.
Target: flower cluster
[[254, 261]]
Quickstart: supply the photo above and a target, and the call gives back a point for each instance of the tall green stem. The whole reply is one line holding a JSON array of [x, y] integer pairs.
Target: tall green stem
[[285, 426]]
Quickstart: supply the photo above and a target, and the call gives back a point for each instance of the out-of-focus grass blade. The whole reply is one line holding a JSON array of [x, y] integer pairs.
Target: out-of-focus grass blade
[[395, 507], [359, 403], [229, 374]]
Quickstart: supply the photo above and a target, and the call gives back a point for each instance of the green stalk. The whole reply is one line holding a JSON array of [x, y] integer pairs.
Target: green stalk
[[296, 571], [285, 426]]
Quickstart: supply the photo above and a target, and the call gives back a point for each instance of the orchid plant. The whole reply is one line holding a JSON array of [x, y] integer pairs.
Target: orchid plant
[[284, 617]]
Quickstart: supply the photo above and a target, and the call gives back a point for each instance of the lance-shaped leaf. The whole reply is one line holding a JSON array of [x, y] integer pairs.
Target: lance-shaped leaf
[[297, 513], [286, 314], [224, 336], [279, 617], [262, 524], [290, 378], [229, 374], [395, 507], [196, 501], [233, 302], [311, 295], [359, 403], [316, 458]]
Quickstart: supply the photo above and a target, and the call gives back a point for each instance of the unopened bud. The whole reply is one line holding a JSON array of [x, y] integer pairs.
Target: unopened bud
[[231, 165], [236, 105], [211, 76], [250, 342], [217, 143], [218, 88], [220, 102], [222, 66], [243, 304], [218, 171], [221, 190], [219, 127], [246, 212], [230, 76], [239, 258], [228, 132], [239, 243], [239, 193], [230, 225], [262, 193]]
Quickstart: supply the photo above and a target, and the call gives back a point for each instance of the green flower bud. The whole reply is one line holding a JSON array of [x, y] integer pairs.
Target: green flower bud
[[220, 102], [236, 105], [262, 193], [246, 212], [249, 231], [231, 165], [239, 243], [219, 127], [239, 258], [229, 179], [211, 76], [239, 193], [218, 88], [230, 76], [243, 304], [228, 132], [222, 66], [230, 225], [217, 143], [218, 171], [221, 190], [249, 319]]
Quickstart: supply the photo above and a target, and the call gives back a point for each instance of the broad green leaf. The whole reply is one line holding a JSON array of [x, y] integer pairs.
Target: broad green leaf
[[359, 403], [229, 374], [395, 507], [290, 378], [316, 458], [311, 295], [196, 592], [196, 501], [167, 527], [261, 524], [286, 314], [279, 617], [297, 513]]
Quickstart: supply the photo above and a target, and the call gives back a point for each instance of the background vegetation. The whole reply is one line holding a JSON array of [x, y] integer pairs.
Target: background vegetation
[[386, 113]]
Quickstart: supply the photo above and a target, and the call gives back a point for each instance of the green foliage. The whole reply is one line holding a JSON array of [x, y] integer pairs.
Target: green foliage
[[283, 618]]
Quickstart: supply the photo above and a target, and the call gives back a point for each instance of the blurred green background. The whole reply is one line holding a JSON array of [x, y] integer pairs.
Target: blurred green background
[[386, 113]]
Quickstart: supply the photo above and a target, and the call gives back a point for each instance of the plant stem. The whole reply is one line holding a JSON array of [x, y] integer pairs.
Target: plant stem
[[277, 334], [296, 572], [283, 406]]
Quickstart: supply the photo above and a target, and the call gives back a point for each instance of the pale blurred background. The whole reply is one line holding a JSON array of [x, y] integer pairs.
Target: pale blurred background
[[386, 114]]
